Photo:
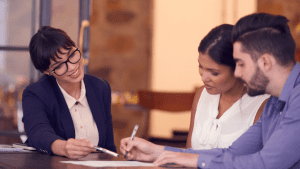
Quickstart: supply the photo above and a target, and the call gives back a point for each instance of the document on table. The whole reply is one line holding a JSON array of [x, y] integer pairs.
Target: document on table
[[110, 163], [5, 148]]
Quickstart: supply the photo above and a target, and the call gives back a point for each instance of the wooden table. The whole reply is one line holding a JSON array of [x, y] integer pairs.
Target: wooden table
[[38, 160]]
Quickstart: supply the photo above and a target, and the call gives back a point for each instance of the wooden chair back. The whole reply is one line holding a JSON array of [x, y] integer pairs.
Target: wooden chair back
[[175, 102]]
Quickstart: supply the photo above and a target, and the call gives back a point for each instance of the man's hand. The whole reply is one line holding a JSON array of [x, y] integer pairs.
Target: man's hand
[[140, 149], [72, 148], [184, 159]]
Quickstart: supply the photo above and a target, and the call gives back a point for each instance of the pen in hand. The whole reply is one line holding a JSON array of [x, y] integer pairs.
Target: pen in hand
[[106, 151], [132, 136]]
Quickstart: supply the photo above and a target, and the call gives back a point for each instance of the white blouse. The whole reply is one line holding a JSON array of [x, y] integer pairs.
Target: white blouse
[[84, 123], [210, 132]]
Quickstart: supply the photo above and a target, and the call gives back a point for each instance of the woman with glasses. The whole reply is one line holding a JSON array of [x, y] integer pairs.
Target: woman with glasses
[[66, 112]]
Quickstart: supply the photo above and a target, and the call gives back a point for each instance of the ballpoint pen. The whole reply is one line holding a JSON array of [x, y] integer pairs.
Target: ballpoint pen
[[106, 151], [132, 136]]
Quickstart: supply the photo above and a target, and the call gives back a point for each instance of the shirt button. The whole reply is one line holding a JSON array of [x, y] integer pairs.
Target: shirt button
[[75, 110], [280, 112], [203, 164], [81, 127]]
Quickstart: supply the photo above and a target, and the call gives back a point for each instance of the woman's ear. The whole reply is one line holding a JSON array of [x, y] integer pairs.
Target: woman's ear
[[47, 72]]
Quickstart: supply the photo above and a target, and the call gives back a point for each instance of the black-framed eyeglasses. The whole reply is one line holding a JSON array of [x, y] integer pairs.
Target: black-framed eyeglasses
[[62, 68]]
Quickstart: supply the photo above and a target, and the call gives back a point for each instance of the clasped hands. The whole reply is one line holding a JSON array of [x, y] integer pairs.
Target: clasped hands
[[142, 150]]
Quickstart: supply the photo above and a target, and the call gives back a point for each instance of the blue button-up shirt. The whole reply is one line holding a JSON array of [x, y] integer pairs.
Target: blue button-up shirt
[[273, 142]]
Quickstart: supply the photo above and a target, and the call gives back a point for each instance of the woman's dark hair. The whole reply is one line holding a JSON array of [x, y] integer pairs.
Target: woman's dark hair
[[217, 44], [45, 44]]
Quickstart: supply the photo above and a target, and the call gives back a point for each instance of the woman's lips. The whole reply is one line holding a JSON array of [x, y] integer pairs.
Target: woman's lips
[[207, 86], [74, 73]]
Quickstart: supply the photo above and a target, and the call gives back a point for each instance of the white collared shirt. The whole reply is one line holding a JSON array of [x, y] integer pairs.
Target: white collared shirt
[[84, 123]]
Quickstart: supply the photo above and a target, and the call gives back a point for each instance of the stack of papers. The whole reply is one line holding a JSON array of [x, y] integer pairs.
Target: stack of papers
[[9, 148], [110, 163], [4, 148], [24, 146]]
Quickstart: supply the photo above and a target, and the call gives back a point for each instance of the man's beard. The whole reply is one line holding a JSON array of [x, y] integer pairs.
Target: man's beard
[[258, 83]]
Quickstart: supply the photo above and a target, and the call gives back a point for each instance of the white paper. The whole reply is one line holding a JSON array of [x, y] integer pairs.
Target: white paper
[[110, 163]]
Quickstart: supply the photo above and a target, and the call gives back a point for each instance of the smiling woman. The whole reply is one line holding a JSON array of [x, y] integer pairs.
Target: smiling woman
[[67, 68], [66, 112], [62, 68]]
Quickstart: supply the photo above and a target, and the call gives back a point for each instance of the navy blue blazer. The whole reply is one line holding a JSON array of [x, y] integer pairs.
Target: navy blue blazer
[[46, 116]]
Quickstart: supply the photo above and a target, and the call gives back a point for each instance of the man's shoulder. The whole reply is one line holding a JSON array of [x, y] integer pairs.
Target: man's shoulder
[[295, 94]]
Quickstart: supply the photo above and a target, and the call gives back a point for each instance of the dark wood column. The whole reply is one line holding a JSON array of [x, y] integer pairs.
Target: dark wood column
[[120, 52], [289, 9]]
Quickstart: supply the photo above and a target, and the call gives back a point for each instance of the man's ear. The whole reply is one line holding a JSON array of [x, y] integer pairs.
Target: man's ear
[[265, 62]]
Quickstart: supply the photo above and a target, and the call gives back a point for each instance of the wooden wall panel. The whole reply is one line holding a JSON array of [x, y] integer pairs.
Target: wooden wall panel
[[289, 9], [120, 52], [120, 43]]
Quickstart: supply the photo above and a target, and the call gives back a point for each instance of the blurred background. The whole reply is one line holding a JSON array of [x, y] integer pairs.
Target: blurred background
[[136, 45]]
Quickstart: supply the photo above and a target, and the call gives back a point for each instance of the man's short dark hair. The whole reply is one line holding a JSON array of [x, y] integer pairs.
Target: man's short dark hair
[[45, 45], [262, 33]]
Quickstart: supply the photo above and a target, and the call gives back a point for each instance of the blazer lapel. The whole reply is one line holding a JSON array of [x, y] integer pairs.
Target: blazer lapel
[[96, 109], [66, 119]]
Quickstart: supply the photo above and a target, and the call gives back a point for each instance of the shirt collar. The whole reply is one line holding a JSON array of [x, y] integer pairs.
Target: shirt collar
[[279, 105], [287, 89], [290, 83], [71, 100]]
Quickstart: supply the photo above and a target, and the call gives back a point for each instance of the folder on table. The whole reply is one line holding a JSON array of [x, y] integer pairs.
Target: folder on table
[[16, 148]]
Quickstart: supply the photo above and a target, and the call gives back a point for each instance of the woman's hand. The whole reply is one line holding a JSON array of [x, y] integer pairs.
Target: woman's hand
[[72, 148], [140, 149], [184, 159]]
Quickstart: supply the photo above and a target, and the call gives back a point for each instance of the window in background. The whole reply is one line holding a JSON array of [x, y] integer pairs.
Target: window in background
[[18, 22]]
